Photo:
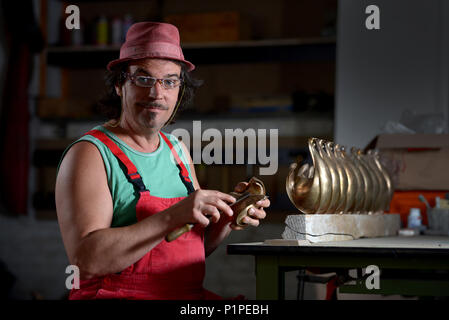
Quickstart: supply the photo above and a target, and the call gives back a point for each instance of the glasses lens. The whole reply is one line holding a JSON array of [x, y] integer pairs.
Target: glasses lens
[[142, 81], [171, 83], [148, 82]]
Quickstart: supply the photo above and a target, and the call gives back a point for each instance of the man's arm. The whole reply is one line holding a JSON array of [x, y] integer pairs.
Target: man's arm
[[84, 207]]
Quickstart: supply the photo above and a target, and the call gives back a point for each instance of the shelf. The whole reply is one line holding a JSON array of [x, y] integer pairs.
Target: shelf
[[253, 51], [288, 124]]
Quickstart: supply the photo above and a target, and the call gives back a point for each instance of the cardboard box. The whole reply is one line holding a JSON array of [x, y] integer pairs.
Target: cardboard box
[[210, 27], [416, 161]]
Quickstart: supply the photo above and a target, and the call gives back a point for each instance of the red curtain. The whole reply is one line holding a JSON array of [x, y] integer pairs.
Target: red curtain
[[23, 38]]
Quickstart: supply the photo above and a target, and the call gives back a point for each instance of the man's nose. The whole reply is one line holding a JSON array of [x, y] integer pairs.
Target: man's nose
[[156, 91]]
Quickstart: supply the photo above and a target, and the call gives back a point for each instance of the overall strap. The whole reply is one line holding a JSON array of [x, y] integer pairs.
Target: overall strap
[[131, 171], [183, 173]]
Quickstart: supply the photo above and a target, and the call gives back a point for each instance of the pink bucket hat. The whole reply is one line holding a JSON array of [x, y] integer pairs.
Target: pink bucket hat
[[151, 40]]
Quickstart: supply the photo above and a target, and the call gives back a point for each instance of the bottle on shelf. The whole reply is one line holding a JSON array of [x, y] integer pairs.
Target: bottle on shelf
[[414, 218], [102, 31]]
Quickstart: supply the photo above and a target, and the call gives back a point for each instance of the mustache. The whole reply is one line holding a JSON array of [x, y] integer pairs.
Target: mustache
[[152, 105]]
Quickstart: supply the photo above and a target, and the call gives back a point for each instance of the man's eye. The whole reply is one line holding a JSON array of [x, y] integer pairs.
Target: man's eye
[[170, 82], [144, 80]]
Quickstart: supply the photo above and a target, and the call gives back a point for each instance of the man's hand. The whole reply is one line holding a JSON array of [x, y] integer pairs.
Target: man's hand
[[254, 214], [203, 206]]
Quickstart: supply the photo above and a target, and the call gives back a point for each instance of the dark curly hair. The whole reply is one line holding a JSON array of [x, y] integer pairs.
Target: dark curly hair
[[110, 104]]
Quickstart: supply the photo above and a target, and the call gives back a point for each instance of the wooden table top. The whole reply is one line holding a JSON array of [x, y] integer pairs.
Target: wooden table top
[[398, 245]]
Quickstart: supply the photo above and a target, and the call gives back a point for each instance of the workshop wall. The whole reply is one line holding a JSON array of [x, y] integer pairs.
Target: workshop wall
[[381, 73]]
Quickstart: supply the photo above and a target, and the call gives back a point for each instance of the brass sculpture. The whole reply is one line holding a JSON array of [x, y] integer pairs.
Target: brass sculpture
[[339, 181]]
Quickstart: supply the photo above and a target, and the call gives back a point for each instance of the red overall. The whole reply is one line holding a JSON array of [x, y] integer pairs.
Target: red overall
[[171, 270]]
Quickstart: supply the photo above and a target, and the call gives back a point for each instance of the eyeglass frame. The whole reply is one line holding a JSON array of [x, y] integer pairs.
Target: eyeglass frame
[[132, 78]]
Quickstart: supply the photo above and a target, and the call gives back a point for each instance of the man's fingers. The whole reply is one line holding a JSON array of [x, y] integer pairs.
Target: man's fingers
[[257, 213], [199, 216], [224, 207], [247, 221], [250, 221], [212, 212], [263, 203], [224, 196]]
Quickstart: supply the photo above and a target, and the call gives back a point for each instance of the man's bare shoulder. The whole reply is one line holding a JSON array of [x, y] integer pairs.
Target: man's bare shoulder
[[83, 155], [84, 149]]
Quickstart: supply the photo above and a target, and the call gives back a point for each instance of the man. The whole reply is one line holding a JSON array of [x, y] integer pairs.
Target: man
[[119, 193]]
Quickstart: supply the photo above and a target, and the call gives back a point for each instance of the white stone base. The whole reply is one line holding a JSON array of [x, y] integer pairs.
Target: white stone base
[[337, 227]]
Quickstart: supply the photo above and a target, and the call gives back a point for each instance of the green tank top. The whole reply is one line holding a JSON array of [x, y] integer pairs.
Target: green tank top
[[158, 170]]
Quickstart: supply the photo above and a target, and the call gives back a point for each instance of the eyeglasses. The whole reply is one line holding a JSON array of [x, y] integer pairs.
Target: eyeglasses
[[149, 82]]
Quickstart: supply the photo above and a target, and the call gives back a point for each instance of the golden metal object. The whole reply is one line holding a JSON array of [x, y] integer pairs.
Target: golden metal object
[[324, 178], [334, 177], [342, 178], [299, 184], [303, 186], [368, 187], [380, 181], [387, 179], [352, 184], [339, 182], [242, 207], [359, 192], [364, 181], [255, 191]]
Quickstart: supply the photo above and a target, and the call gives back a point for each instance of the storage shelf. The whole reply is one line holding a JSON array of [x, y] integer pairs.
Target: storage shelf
[[269, 50]]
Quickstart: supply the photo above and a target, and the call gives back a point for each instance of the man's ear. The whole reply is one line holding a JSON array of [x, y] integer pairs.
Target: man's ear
[[118, 91]]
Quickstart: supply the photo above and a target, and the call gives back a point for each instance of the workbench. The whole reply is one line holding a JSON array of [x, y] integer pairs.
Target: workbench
[[412, 266]]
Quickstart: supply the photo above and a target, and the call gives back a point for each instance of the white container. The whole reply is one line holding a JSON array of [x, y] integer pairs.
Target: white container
[[414, 218]]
